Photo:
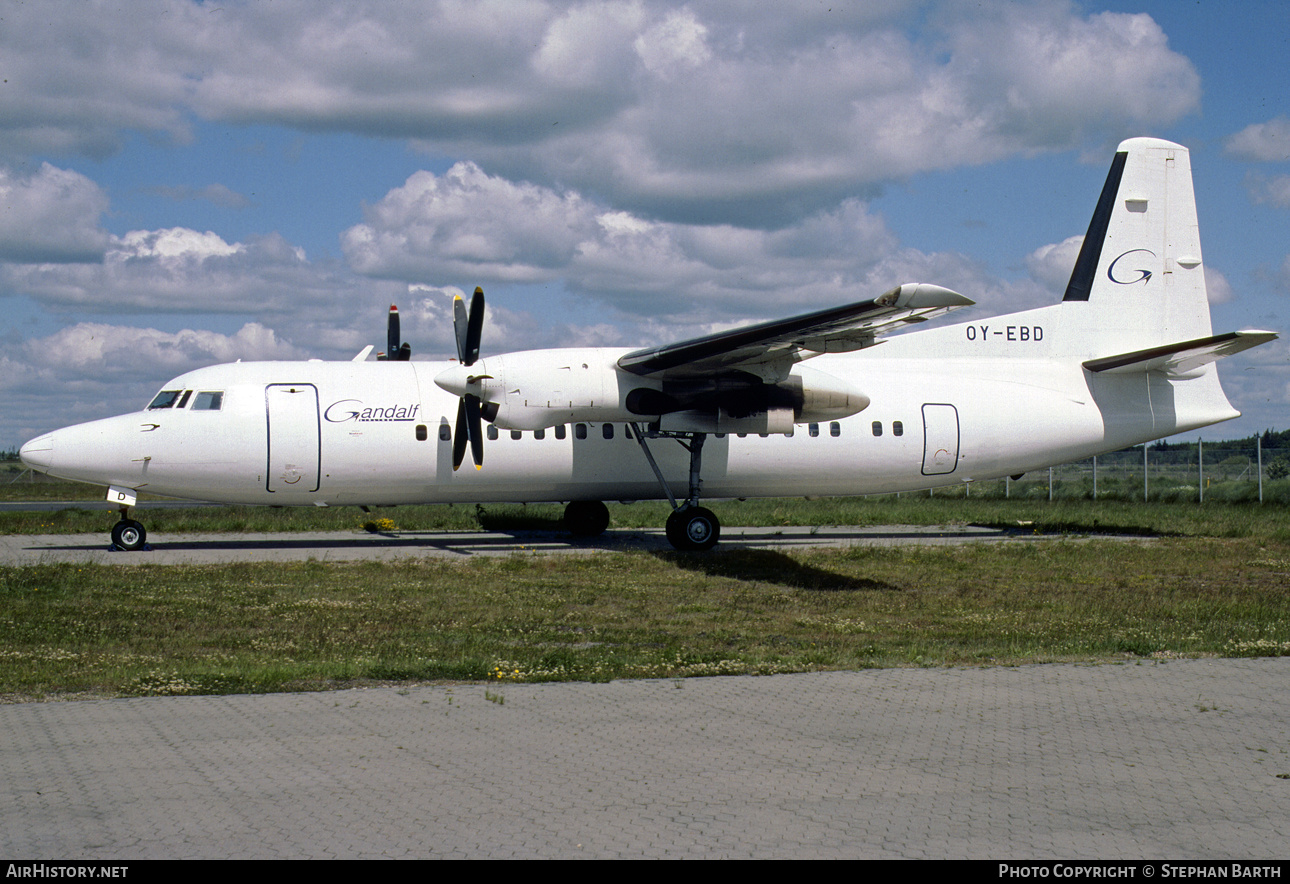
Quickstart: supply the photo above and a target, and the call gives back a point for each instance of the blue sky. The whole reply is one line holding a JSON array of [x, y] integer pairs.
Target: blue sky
[[189, 183]]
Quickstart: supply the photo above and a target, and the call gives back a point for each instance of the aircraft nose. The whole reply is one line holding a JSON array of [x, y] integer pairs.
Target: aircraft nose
[[38, 454]]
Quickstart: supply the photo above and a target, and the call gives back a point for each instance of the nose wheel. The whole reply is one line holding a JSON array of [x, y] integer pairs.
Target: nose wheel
[[129, 535]]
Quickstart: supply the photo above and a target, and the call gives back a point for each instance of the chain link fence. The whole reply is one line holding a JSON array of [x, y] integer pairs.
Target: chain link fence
[[1194, 473]]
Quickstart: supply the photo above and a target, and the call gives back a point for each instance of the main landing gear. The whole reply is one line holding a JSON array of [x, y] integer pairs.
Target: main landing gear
[[690, 527], [586, 518], [128, 534]]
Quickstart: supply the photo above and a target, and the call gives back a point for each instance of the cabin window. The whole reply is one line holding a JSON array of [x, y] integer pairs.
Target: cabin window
[[445, 433], [835, 428], [516, 435], [607, 431], [422, 433], [165, 399], [492, 432], [897, 428], [539, 434], [209, 400], [580, 431], [813, 429], [877, 428], [560, 432]]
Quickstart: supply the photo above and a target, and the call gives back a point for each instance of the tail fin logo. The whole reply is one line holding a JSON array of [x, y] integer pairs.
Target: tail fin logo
[[1145, 275]]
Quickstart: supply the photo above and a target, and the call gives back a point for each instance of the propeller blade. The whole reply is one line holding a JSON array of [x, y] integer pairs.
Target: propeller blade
[[469, 431], [474, 327], [459, 323], [468, 327], [461, 436], [392, 336], [476, 429]]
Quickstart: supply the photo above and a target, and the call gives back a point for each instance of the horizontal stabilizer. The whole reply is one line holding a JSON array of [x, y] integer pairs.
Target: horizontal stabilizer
[[1177, 360]]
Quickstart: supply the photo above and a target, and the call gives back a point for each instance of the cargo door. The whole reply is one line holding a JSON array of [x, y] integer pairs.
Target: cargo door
[[940, 439]]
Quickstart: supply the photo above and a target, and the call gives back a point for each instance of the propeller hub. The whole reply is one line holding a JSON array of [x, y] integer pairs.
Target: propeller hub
[[462, 380]]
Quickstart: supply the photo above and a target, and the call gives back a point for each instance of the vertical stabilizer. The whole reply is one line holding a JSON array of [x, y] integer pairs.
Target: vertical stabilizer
[[1140, 266]]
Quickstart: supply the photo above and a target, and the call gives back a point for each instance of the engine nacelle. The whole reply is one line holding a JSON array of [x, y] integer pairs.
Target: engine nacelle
[[535, 389]]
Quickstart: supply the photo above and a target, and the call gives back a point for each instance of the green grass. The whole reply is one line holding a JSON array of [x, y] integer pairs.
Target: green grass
[[1202, 581], [109, 630]]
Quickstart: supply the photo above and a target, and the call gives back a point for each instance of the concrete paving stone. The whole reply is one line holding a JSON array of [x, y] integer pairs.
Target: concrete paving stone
[[1176, 760]]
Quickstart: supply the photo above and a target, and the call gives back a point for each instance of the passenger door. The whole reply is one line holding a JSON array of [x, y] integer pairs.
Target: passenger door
[[294, 437]]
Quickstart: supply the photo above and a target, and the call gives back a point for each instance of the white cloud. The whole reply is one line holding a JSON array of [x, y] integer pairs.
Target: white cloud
[[177, 270], [1261, 142], [704, 112], [470, 227], [1273, 190], [1217, 288], [91, 370], [51, 215], [676, 45], [107, 350], [468, 224], [1052, 264]]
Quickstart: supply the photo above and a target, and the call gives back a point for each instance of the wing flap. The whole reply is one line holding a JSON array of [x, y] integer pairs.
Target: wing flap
[[837, 329]]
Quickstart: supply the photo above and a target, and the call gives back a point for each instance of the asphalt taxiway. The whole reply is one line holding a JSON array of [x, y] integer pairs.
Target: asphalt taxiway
[[170, 549]]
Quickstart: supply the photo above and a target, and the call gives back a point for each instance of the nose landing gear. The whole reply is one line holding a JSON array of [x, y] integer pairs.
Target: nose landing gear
[[128, 534]]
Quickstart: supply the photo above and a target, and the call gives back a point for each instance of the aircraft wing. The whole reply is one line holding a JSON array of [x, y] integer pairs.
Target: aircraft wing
[[772, 347]]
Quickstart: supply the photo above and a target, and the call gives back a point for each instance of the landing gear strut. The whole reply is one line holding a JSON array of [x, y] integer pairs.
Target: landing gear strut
[[690, 527], [128, 534]]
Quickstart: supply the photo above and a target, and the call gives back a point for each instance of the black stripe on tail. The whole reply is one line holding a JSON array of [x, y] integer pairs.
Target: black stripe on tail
[[1081, 282]]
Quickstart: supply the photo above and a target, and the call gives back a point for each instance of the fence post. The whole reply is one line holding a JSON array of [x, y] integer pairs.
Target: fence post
[[1200, 466], [1144, 473], [1259, 440]]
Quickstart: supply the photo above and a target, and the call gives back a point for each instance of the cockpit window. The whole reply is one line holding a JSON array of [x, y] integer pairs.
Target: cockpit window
[[208, 401], [165, 399], [183, 400]]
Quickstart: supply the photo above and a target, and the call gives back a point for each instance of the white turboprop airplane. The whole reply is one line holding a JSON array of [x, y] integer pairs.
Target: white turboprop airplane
[[1126, 357]]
